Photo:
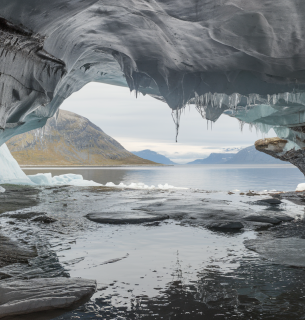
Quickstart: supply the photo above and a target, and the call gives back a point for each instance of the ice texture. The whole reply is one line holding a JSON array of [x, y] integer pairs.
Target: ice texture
[[234, 57], [10, 172]]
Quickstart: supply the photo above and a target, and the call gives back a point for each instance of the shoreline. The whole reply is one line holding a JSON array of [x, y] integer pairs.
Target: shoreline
[[244, 221]]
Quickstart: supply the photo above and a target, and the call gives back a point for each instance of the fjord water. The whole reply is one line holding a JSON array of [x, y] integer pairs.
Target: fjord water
[[207, 177]]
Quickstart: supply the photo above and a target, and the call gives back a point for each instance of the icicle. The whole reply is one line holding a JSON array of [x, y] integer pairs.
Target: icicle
[[176, 114]]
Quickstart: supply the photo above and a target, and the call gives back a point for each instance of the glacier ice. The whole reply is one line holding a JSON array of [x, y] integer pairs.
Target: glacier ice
[[230, 57], [233, 57], [11, 173]]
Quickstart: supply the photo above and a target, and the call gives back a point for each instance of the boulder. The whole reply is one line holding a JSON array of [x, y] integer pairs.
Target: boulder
[[28, 296]]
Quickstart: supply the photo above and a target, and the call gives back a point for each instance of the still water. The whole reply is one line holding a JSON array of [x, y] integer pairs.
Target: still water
[[178, 268], [207, 177]]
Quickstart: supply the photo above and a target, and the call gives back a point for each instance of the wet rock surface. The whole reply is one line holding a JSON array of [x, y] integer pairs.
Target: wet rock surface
[[125, 217], [288, 251], [18, 197], [14, 252], [226, 225], [29, 296], [212, 275]]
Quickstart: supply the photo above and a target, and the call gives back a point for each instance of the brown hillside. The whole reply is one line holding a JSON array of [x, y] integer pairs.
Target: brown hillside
[[71, 140]]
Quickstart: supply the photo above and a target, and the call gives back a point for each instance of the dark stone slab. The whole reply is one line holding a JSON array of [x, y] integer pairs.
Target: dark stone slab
[[226, 225], [44, 219], [286, 251], [262, 218], [37, 295], [125, 217], [272, 201]]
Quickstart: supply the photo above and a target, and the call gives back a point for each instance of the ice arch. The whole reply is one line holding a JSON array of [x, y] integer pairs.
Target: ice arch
[[234, 56]]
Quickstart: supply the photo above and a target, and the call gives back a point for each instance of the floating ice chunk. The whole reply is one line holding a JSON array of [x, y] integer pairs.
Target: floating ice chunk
[[300, 187], [10, 172], [43, 179], [2, 190], [141, 185]]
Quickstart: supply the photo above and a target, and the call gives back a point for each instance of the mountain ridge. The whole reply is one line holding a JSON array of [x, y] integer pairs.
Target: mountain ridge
[[70, 140], [248, 155], [153, 156]]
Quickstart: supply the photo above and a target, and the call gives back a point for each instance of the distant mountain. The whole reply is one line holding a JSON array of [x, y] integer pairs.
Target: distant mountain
[[250, 155], [71, 140], [153, 156], [214, 158], [247, 155]]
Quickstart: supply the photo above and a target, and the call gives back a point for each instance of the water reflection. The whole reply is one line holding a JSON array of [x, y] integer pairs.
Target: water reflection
[[255, 290], [208, 177]]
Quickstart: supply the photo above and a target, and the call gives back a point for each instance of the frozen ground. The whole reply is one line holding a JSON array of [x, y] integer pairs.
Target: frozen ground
[[178, 268]]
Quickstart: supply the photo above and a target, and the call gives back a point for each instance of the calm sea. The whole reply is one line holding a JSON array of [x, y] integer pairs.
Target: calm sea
[[207, 177]]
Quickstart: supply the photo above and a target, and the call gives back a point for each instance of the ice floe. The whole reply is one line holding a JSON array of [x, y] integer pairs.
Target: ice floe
[[141, 185]]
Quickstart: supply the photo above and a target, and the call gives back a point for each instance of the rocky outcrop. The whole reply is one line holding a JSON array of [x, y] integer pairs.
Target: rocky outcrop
[[275, 147], [70, 140]]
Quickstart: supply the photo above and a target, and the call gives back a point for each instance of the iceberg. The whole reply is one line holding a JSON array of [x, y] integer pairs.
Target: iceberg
[[10, 171]]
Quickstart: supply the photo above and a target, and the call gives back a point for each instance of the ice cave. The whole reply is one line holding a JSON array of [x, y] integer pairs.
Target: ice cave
[[244, 59], [234, 57]]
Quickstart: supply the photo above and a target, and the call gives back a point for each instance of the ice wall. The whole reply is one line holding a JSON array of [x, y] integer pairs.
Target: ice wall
[[10, 172], [244, 58]]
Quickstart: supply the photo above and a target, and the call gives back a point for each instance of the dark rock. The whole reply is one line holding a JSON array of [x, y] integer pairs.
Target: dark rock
[[226, 225], [260, 225], [36, 295], [14, 252], [287, 251], [125, 217], [262, 218], [44, 219], [152, 224], [271, 201], [283, 218], [25, 215]]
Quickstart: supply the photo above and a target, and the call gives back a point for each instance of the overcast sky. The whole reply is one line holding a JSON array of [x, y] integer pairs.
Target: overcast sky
[[146, 123]]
